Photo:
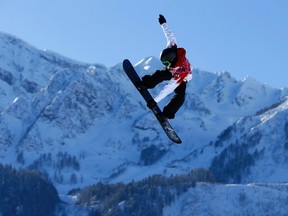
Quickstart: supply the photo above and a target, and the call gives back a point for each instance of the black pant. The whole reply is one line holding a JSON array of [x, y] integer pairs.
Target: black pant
[[150, 81]]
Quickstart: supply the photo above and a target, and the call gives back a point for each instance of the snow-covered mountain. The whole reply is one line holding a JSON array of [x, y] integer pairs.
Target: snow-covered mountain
[[83, 123], [238, 200]]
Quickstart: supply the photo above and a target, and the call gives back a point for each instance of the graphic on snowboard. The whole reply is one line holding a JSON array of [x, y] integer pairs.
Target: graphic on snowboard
[[135, 79]]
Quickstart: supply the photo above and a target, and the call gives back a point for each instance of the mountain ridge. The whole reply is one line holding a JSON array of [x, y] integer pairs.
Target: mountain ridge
[[91, 115]]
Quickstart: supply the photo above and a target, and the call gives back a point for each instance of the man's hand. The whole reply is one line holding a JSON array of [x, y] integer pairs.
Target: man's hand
[[161, 19]]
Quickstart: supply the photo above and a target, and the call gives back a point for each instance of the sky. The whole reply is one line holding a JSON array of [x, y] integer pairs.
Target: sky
[[243, 37]]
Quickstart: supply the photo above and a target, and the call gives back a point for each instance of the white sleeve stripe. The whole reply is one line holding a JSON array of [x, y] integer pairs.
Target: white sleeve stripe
[[170, 37]]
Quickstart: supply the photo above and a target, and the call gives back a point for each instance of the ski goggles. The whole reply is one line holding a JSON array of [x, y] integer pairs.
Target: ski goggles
[[166, 63]]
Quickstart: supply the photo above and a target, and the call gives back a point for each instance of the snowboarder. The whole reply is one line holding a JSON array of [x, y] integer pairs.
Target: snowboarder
[[177, 70]]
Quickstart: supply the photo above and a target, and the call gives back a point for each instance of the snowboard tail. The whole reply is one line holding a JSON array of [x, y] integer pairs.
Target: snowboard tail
[[136, 80]]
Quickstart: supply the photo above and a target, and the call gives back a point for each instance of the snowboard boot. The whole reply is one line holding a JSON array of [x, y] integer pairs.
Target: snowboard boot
[[168, 115]]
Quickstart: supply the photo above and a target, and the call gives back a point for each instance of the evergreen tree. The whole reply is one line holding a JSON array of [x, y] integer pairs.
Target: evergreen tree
[[26, 193]]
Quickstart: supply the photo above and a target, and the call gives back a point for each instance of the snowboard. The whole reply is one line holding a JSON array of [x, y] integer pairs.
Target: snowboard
[[135, 79]]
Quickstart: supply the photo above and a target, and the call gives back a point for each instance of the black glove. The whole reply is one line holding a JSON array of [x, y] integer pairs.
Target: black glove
[[161, 19]]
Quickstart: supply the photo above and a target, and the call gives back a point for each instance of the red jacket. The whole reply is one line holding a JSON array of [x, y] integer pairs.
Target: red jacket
[[182, 68]]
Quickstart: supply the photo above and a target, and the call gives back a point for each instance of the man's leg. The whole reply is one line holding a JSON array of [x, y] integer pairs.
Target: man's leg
[[176, 102], [150, 81]]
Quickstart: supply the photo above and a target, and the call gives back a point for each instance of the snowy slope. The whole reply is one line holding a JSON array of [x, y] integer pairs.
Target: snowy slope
[[82, 123], [237, 200]]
